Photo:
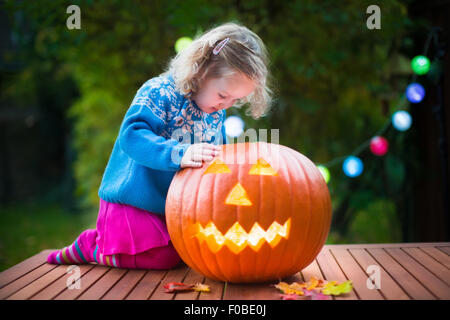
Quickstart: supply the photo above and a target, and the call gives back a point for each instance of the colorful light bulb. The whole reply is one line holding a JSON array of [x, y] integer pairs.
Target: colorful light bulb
[[182, 43], [234, 126], [353, 166], [379, 146], [325, 172], [415, 92], [420, 64], [401, 120]]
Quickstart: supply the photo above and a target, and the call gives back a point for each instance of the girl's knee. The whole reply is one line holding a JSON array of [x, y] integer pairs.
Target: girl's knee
[[127, 261], [158, 258]]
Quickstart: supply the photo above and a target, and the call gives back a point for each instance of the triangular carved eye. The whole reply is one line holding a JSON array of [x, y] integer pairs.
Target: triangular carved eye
[[262, 167], [238, 196], [217, 166]]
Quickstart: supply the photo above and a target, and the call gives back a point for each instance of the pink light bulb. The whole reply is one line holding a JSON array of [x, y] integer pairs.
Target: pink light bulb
[[379, 146]]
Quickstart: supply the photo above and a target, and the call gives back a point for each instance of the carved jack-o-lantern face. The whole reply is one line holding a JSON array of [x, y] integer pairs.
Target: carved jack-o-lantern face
[[236, 238], [243, 220]]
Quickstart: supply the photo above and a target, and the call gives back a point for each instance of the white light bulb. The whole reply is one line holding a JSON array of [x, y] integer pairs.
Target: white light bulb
[[234, 126]]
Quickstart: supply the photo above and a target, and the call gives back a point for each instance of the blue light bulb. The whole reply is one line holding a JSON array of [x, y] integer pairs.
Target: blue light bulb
[[353, 166], [415, 92]]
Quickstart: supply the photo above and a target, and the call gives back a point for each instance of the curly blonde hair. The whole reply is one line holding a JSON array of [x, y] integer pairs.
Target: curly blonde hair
[[244, 52]]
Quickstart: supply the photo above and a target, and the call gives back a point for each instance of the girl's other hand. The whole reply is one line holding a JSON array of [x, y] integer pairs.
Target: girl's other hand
[[197, 153]]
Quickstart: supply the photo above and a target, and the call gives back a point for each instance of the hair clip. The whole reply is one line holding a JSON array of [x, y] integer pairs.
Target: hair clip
[[220, 46]]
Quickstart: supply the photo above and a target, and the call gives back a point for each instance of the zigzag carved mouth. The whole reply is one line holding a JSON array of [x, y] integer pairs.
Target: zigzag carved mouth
[[236, 238]]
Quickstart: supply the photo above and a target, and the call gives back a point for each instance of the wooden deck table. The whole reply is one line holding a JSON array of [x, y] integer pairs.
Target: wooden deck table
[[407, 271]]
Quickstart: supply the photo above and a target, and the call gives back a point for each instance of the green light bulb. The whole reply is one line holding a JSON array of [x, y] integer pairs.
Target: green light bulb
[[420, 64], [182, 43], [325, 172]]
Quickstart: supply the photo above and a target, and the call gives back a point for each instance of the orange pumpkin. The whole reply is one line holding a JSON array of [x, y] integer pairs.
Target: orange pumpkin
[[257, 212]]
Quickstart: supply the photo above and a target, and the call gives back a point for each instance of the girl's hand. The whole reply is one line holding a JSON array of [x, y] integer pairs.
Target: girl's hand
[[197, 153]]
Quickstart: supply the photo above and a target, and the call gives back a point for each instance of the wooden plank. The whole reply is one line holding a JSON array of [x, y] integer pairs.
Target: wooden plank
[[192, 277], [296, 277], [405, 280], [102, 286], [332, 272], [445, 250], [25, 280], [251, 291], [439, 270], [87, 280], [125, 285], [418, 270], [174, 275], [312, 270], [388, 286], [429, 280], [24, 267], [387, 245], [39, 284], [353, 271], [257, 291], [438, 255], [216, 292], [60, 285], [147, 285]]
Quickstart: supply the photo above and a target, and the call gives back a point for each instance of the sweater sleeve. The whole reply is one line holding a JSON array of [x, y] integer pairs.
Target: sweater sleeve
[[138, 136]]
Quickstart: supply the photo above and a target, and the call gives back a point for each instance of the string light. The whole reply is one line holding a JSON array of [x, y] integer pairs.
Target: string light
[[182, 43], [353, 166], [415, 92], [401, 120], [379, 146], [420, 65], [325, 172], [234, 126]]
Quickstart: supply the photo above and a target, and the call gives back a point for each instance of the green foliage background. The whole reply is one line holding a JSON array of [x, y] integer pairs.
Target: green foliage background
[[332, 77]]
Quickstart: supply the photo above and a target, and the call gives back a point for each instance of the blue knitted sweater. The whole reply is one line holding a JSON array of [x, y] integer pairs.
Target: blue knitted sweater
[[157, 129]]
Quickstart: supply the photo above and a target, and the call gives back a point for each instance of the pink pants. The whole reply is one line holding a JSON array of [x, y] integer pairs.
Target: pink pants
[[125, 237], [156, 258]]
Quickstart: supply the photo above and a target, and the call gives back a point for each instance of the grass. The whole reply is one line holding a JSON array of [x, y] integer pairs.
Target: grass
[[27, 229]]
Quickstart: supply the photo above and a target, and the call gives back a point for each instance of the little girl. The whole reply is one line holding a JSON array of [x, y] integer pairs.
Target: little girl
[[174, 121]]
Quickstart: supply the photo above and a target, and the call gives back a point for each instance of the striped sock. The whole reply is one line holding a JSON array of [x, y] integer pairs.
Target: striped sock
[[112, 260], [72, 254]]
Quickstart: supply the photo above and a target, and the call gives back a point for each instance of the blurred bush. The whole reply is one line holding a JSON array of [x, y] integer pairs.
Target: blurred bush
[[336, 82]]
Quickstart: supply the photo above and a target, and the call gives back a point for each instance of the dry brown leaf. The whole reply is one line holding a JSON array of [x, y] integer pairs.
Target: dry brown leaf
[[201, 287]]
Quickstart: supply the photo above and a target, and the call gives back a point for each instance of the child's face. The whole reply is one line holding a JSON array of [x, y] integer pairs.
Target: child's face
[[221, 93]]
